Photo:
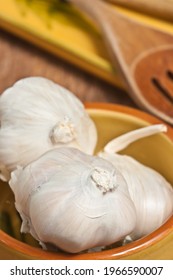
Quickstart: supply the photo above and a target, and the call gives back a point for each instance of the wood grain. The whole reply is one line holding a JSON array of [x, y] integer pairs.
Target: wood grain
[[18, 59], [158, 8]]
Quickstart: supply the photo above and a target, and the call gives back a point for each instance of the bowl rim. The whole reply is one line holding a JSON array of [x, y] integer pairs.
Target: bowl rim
[[115, 253]]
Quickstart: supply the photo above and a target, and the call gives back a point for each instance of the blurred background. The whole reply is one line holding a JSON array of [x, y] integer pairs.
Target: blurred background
[[51, 39]]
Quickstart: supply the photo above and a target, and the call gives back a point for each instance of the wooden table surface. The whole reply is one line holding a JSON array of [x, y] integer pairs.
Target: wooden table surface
[[19, 59]]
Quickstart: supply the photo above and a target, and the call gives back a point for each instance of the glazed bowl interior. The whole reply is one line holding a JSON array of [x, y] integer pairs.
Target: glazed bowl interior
[[154, 151]]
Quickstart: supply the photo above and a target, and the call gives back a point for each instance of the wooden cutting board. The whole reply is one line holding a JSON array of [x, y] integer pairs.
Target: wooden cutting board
[[20, 59]]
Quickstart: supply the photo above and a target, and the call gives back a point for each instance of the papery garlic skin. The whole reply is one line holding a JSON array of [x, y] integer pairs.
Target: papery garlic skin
[[151, 193], [38, 115], [73, 201]]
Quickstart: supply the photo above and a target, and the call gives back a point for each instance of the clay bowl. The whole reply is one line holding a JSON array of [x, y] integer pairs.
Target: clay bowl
[[154, 151]]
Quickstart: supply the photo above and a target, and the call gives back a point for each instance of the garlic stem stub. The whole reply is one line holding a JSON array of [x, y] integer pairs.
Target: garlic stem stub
[[123, 141], [38, 115], [73, 200]]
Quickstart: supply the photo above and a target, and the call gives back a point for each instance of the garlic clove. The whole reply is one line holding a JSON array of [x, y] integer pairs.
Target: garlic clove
[[73, 200], [38, 115], [151, 193]]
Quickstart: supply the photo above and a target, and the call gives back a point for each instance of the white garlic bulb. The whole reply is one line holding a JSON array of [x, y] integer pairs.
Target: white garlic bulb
[[73, 200], [38, 115], [150, 192]]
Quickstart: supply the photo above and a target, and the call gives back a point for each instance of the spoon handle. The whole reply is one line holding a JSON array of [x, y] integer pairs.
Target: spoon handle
[[94, 10], [159, 8], [111, 24]]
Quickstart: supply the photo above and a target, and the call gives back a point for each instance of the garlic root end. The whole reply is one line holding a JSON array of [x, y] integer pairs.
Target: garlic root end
[[63, 132]]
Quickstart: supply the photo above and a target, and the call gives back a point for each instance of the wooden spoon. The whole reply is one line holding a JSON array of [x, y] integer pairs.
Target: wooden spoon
[[158, 8], [144, 56]]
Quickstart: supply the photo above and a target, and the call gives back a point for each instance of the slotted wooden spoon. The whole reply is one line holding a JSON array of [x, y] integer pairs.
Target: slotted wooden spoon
[[144, 56]]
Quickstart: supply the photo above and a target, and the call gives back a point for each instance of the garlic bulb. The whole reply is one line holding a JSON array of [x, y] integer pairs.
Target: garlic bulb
[[73, 200], [38, 115], [151, 193]]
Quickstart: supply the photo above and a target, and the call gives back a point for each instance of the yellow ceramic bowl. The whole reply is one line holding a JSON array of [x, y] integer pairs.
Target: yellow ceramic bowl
[[154, 151]]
